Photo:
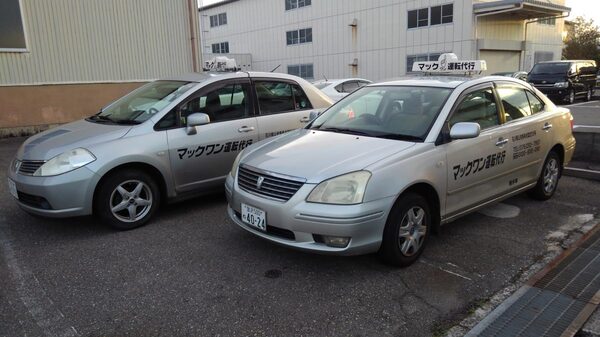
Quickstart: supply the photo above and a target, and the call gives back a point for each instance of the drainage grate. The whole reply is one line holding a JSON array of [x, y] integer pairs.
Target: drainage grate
[[536, 313], [558, 302]]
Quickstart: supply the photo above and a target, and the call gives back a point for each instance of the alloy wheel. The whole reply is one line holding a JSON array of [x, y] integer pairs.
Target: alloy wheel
[[550, 175], [411, 234], [131, 200]]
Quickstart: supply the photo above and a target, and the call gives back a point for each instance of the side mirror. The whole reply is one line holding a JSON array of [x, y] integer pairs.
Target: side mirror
[[313, 115], [194, 120], [465, 130]]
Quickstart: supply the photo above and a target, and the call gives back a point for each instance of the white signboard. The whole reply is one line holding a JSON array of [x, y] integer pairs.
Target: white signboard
[[449, 63]]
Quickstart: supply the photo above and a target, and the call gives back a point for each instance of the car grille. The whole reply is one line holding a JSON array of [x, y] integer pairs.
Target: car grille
[[28, 167], [272, 187], [34, 200]]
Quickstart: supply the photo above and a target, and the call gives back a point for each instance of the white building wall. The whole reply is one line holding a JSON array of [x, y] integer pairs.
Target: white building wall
[[380, 44], [100, 41]]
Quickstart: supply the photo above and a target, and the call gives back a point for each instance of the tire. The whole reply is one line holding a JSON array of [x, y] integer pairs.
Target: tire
[[141, 191], [571, 97], [399, 228], [548, 180]]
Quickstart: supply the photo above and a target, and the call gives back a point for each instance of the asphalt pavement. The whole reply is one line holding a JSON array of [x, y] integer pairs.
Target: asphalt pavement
[[585, 114], [192, 272]]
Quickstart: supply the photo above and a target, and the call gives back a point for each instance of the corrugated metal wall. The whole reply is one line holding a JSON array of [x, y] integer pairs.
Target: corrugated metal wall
[[100, 41], [381, 43]]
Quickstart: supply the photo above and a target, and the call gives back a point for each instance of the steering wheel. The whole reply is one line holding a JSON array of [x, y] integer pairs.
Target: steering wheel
[[370, 119]]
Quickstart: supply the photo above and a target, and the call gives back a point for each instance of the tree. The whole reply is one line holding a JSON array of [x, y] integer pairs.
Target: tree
[[584, 42]]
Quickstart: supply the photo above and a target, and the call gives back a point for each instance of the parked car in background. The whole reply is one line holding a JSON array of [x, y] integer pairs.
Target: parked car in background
[[565, 80], [421, 153], [522, 75], [337, 89], [168, 140]]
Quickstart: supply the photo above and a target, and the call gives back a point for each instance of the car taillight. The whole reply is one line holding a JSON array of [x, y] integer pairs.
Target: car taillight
[[571, 121]]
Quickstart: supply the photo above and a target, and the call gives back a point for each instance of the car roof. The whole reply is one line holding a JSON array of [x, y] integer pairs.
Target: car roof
[[443, 81], [340, 80], [567, 61], [201, 77]]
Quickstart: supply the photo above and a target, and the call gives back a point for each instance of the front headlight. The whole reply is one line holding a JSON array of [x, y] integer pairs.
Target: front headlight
[[65, 162], [342, 190], [236, 163], [561, 84]]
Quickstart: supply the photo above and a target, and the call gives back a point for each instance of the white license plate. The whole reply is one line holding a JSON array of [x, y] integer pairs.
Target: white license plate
[[254, 217], [12, 187]]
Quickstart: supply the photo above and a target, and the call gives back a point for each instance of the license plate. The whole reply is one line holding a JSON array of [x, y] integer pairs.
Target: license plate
[[254, 217], [12, 187]]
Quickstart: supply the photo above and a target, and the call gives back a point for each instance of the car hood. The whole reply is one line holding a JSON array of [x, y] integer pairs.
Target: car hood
[[82, 133], [320, 155]]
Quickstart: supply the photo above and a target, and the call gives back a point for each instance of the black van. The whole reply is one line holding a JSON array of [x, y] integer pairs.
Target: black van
[[564, 80]]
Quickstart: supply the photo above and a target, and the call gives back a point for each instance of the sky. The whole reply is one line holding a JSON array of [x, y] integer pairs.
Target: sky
[[586, 8]]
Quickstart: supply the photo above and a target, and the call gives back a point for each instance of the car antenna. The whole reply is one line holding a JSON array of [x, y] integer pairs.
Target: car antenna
[[275, 68], [325, 78]]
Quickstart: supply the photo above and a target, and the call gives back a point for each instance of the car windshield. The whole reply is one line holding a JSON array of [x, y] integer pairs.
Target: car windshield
[[322, 85], [550, 68], [394, 112], [141, 104]]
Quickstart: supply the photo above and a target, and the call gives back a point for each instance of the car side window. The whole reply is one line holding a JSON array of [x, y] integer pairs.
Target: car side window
[[515, 103], [477, 107], [300, 99], [350, 86], [534, 102], [220, 104], [274, 97]]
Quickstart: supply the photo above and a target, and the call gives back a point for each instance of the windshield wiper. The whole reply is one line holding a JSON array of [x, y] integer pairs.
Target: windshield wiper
[[101, 118], [345, 130], [126, 122], [400, 137]]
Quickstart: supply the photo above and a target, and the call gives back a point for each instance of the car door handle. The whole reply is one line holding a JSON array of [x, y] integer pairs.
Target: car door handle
[[547, 126], [305, 119], [246, 129], [501, 141]]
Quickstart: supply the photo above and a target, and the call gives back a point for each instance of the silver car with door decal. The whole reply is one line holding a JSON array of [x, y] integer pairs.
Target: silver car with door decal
[[402, 158], [168, 140]]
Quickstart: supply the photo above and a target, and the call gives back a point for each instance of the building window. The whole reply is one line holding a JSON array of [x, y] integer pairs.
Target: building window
[[218, 19], [418, 18], [220, 48], [301, 70], [293, 4], [439, 15], [541, 56], [411, 59], [442, 14], [547, 21], [12, 31], [299, 36]]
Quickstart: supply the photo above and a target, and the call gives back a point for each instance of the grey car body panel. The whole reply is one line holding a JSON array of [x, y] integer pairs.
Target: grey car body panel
[[397, 166], [304, 144], [72, 193], [82, 133]]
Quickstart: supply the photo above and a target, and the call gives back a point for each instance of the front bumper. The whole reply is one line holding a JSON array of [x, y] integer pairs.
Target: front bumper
[[65, 195], [298, 224], [555, 93]]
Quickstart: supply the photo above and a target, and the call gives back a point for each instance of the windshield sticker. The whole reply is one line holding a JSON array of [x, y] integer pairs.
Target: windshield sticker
[[212, 149], [477, 165]]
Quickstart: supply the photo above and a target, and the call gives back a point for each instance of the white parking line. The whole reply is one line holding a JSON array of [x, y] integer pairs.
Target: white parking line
[[582, 103], [586, 126], [445, 270]]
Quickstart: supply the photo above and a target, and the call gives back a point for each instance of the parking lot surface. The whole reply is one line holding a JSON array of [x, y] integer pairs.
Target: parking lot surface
[[192, 272]]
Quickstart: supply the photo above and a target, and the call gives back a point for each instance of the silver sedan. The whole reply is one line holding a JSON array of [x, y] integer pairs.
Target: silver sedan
[[168, 140], [388, 164]]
